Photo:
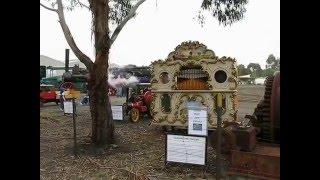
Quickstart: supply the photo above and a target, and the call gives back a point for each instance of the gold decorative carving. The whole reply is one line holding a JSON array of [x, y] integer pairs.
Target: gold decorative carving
[[234, 114], [193, 54], [234, 100], [163, 118], [234, 80], [153, 81]]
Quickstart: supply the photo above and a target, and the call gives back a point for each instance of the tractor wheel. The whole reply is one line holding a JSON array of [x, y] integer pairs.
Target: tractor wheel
[[134, 115]]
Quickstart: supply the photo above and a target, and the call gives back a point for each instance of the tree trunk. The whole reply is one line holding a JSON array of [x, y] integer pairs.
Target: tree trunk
[[101, 114], [100, 108]]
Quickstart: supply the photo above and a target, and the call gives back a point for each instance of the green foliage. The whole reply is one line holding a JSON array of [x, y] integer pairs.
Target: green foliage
[[68, 4], [271, 59], [276, 65], [145, 72], [254, 66], [119, 9], [273, 62], [242, 70], [255, 70], [273, 65], [226, 11], [269, 72]]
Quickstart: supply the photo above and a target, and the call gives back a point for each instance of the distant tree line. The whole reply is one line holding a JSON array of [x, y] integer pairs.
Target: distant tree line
[[255, 70]]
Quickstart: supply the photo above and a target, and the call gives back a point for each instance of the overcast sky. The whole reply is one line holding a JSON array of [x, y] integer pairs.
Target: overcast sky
[[161, 25]]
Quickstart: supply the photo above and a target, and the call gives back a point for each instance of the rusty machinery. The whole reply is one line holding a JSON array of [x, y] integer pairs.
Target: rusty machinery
[[263, 161], [78, 77], [265, 122], [267, 113]]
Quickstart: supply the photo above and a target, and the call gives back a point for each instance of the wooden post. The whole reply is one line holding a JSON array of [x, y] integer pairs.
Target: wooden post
[[75, 150], [219, 122]]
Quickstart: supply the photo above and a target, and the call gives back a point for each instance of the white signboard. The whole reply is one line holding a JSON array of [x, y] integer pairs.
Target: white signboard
[[117, 112], [186, 149], [197, 122], [68, 107]]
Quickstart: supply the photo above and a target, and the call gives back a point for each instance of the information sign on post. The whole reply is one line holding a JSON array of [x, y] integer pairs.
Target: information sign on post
[[117, 112], [68, 107], [197, 120]]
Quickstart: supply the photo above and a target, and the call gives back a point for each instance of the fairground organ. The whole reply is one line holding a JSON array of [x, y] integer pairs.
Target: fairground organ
[[193, 73]]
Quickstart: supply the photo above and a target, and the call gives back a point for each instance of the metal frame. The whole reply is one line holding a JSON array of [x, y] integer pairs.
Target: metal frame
[[272, 158]]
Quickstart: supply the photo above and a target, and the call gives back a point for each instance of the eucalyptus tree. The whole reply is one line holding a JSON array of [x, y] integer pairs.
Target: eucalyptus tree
[[119, 12]]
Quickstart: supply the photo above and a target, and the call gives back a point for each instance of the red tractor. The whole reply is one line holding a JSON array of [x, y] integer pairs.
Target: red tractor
[[138, 103]]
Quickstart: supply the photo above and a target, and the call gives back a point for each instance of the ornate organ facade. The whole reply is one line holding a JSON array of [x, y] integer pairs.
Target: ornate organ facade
[[193, 73]]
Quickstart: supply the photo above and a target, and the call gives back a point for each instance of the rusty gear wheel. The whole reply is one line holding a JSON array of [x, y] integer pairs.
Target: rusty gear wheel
[[266, 111]]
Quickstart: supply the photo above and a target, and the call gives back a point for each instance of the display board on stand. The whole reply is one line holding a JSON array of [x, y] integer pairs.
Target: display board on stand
[[117, 113], [190, 148], [186, 149], [68, 107]]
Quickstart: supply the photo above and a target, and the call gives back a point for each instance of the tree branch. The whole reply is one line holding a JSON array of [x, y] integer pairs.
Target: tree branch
[[51, 9], [66, 31], [121, 25], [81, 4]]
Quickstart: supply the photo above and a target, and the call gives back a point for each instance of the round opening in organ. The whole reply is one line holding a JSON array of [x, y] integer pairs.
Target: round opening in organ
[[220, 76], [164, 78]]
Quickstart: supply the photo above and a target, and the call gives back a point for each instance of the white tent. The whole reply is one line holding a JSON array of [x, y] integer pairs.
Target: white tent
[[245, 77], [259, 81]]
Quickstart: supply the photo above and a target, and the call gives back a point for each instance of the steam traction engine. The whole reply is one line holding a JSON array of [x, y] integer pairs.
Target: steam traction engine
[[138, 105], [193, 73]]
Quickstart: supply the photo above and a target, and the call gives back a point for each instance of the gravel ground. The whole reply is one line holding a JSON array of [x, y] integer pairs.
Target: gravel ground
[[137, 154]]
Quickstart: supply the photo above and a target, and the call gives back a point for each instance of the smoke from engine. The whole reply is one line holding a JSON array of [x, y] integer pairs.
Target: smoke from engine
[[121, 81]]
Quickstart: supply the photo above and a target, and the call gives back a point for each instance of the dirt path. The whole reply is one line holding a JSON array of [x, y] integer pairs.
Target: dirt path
[[139, 149]]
